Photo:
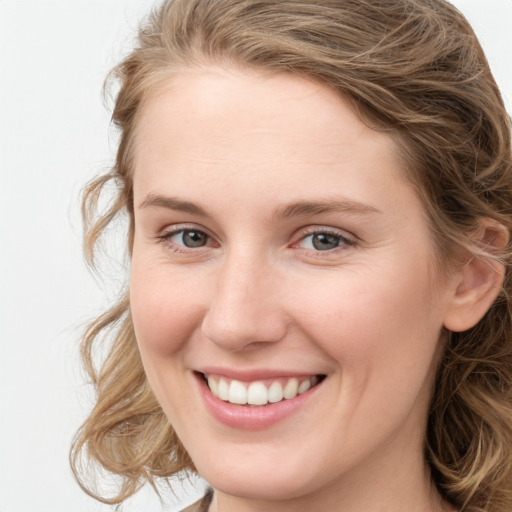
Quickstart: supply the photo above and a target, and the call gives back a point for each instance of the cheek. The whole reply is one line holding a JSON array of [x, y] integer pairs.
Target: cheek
[[166, 309], [382, 337], [380, 322]]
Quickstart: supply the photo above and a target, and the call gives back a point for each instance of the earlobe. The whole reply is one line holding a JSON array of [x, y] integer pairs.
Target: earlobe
[[477, 283]]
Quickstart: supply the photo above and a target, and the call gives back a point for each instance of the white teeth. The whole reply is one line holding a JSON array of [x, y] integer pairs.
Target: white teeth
[[256, 393], [212, 384], [290, 390], [237, 393], [275, 393], [223, 390], [303, 386]]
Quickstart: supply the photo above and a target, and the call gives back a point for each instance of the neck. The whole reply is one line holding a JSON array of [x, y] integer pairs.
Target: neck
[[427, 500], [403, 487]]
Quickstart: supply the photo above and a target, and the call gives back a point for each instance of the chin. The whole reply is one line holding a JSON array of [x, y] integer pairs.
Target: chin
[[256, 478]]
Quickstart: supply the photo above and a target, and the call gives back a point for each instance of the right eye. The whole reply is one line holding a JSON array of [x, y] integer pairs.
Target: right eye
[[185, 238], [189, 238]]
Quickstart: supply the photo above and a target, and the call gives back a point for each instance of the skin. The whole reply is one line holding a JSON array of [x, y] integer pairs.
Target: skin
[[369, 314]]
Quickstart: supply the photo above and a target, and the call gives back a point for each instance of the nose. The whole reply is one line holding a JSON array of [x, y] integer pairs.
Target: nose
[[245, 308]]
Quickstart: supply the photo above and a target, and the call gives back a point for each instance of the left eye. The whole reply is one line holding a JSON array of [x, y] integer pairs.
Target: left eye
[[322, 241], [191, 238]]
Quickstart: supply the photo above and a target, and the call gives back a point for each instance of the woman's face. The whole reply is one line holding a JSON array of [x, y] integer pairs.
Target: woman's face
[[277, 246]]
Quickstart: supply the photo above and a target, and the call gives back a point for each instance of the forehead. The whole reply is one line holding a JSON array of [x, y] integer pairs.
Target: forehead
[[244, 130]]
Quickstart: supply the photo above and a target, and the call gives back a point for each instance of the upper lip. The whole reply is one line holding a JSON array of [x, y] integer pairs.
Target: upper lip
[[249, 375]]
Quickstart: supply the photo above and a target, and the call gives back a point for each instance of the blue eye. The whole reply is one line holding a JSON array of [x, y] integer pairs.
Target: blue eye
[[323, 241], [191, 238]]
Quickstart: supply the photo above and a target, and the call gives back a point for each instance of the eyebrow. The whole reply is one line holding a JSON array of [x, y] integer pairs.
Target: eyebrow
[[295, 209], [300, 208], [172, 203]]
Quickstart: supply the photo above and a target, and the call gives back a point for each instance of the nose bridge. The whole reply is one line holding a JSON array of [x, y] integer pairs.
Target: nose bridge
[[245, 307]]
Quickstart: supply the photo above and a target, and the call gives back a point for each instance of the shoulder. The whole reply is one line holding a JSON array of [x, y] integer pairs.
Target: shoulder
[[195, 507], [202, 505]]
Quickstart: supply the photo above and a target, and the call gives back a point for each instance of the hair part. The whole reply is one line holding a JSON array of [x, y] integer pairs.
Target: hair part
[[411, 67]]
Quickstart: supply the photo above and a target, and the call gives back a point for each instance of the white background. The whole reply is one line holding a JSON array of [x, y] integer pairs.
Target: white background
[[54, 136]]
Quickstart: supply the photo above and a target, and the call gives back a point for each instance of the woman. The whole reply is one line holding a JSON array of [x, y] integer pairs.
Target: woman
[[318, 317]]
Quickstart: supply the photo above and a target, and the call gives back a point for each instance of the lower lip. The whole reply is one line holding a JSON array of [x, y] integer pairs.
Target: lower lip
[[252, 418]]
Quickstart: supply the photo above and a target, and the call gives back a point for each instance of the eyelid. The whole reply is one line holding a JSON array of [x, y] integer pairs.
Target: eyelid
[[168, 232], [182, 226], [347, 237]]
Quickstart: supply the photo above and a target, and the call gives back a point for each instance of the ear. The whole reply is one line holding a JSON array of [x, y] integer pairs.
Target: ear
[[475, 285]]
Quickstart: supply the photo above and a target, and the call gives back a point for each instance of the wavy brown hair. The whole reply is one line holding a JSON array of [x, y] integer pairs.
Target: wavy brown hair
[[411, 67]]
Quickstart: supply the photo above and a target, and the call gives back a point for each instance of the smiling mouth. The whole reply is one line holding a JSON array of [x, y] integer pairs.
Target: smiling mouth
[[260, 392]]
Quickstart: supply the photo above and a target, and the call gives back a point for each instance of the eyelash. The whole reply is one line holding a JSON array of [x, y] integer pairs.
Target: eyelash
[[166, 237], [344, 240]]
